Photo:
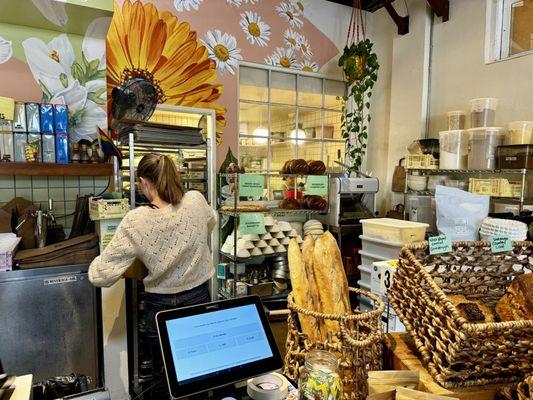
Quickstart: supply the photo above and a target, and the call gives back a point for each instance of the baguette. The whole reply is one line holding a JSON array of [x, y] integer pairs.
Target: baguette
[[300, 289], [517, 302], [307, 256], [331, 281]]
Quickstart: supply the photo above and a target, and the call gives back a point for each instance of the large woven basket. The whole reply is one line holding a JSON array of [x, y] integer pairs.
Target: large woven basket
[[358, 344], [459, 353]]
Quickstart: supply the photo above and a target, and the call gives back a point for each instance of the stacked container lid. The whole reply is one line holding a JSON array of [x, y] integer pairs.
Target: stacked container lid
[[516, 230]]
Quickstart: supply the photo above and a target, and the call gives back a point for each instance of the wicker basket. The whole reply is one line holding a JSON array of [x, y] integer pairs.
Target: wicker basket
[[358, 344], [525, 388], [459, 353]]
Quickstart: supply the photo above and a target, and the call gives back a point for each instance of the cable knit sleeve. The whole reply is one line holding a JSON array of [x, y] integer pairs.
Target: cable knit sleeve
[[117, 257]]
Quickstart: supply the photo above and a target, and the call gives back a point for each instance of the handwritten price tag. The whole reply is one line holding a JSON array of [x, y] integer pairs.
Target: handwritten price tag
[[252, 224], [440, 244], [251, 185], [500, 244]]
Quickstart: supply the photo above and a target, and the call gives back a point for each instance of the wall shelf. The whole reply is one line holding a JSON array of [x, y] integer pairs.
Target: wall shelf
[[53, 169]]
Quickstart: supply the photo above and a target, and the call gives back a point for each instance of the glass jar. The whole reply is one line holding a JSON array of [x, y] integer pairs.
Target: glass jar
[[319, 379]]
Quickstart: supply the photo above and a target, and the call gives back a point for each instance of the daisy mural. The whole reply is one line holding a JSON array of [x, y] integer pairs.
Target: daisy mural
[[223, 50], [298, 5], [289, 14], [303, 46], [6, 50], [187, 5], [282, 58], [307, 66], [257, 31], [143, 42], [79, 84], [291, 38], [236, 3]]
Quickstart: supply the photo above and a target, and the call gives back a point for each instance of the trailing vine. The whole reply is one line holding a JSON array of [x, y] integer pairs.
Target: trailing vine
[[360, 66]]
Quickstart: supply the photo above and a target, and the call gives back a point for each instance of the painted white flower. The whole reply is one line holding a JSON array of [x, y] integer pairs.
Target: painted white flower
[[256, 30], [187, 5], [303, 45], [53, 11], [6, 50], [50, 63], [291, 38], [84, 115], [307, 66], [93, 46], [223, 50], [282, 58], [290, 14], [298, 5], [236, 3], [270, 60]]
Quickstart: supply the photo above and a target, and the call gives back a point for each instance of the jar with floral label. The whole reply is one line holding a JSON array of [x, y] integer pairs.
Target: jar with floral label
[[319, 379]]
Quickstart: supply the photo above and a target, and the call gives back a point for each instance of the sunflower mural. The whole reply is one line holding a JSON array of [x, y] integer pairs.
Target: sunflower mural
[[144, 42]]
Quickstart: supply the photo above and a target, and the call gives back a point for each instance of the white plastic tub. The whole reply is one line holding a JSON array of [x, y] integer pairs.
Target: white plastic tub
[[381, 248], [394, 230], [366, 274]]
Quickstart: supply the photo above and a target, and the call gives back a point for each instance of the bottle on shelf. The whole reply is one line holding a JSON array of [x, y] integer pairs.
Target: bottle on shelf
[[75, 158]]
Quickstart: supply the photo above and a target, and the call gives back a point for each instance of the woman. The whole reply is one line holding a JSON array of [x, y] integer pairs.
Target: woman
[[171, 239]]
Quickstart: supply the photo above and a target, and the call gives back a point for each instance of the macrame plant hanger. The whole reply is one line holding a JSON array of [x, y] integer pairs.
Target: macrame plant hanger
[[356, 29]]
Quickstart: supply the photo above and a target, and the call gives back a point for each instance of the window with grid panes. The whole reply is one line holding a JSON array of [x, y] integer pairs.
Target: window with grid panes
[[285, 115]]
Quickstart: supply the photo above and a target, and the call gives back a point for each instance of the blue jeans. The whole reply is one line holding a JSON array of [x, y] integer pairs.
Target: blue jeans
[[160, 302]]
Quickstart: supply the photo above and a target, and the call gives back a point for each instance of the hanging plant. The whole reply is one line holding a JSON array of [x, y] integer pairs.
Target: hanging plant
[[360, 66]]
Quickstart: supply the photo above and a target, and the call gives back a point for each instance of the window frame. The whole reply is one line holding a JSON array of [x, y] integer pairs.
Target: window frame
[[498, 31], [322, 109]]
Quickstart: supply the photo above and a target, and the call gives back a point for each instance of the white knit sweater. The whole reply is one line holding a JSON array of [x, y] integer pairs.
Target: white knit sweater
[[172, 242]]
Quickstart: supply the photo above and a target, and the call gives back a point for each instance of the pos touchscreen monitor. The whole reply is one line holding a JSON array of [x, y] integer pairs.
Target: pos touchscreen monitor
[[216, 344]]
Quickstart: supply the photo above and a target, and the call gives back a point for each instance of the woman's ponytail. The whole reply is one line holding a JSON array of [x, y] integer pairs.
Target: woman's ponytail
[[162, 172]]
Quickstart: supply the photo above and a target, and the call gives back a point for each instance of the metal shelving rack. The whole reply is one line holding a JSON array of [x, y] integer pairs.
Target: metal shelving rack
[[234, 214], [134, 147], [522, 173]]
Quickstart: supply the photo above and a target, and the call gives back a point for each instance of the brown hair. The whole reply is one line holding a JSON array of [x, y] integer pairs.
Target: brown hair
[[162, 172]]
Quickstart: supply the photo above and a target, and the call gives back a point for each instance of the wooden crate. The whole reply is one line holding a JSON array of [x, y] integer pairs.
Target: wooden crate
[[400, 354]]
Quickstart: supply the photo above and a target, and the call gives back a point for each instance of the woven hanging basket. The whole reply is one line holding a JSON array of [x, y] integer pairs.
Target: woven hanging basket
[[357, 344]]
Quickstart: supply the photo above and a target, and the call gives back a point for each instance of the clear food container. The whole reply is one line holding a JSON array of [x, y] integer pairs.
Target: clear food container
[[520, 132], [519, 156], [453, 149], [483, 112], [456, 120], [482, 147]]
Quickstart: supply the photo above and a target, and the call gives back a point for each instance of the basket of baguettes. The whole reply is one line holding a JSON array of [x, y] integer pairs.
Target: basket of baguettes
[[470, 312], [321, 316]]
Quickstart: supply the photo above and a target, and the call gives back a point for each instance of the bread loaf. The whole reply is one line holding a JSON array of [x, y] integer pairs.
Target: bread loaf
[[299, 167], [307, 256], [316, 167], [331, 281], [474, 311], [300, 289], [517, 302], [290, 204], [286, 170]]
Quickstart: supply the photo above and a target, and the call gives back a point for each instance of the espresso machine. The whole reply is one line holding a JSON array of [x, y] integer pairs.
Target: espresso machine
[[42, 220]]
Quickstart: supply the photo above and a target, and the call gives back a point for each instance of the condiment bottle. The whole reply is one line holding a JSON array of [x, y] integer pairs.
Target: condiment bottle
[[319, 379], [75, 153], [84, 155], [95, 159]]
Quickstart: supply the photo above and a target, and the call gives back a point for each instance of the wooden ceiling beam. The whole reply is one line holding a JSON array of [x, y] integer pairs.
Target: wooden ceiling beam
[[401, 22], [441, 8]]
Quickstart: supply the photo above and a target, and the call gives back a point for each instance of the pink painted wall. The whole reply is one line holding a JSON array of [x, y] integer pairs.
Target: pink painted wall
[[226, 16]]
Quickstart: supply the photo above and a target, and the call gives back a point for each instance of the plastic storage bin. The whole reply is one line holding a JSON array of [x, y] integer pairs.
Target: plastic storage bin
[[422, 209], [453, 149], [382, 248], [456, 120], [108, 209], [520, 132], [518, 156], [483, 112], [482, 147], [394, 230]]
